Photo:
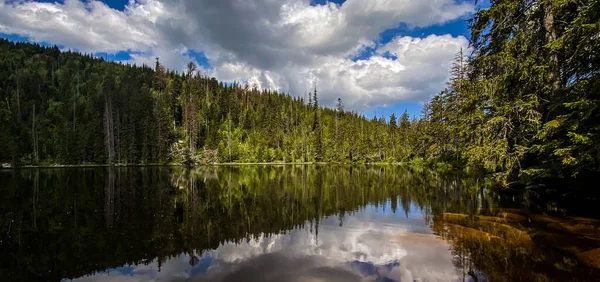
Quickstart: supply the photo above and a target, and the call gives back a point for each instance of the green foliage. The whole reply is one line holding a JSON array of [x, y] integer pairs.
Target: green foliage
[[92, 111], [526, 103]]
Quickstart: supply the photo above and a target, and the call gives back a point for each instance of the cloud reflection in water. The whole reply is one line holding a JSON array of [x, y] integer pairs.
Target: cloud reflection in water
[[370, 246]]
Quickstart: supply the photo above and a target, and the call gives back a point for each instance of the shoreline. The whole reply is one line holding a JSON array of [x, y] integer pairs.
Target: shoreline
[[199, 165]]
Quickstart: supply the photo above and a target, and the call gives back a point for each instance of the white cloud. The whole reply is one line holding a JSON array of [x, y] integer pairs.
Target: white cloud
[[87, 26], [421, 69], [278, 44]]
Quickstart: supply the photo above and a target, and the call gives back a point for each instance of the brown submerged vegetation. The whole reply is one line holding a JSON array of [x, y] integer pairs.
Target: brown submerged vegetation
[[515, 245]]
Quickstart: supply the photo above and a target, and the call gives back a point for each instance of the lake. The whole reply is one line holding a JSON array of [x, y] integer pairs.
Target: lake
[[285, 223]]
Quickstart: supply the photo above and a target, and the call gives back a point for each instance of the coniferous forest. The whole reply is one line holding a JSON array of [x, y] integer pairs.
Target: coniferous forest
[[522, 102], [69, 108]]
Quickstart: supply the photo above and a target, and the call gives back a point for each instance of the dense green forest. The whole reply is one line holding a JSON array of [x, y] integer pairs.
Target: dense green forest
[[523, 101], [526, 101], [68, 108]]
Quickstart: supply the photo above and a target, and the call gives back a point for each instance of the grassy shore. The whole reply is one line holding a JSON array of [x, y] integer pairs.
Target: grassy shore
[[210, 164]]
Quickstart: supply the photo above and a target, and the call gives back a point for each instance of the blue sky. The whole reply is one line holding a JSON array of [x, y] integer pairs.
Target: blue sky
[[456, 27], [380, 57]]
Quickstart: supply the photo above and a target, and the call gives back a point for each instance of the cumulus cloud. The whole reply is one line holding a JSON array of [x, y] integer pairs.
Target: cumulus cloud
[[418, 68], [284, 45], [87, 26]]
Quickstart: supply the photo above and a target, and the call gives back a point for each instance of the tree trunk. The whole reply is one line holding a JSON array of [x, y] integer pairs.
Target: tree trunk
[[229, 138], [550, 32], [75, 95], [117, 142], [206, 90], [34, 140], [109, 130], [18, 100]]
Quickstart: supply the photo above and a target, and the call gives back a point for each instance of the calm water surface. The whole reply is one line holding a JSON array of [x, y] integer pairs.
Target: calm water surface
[[284, 223]]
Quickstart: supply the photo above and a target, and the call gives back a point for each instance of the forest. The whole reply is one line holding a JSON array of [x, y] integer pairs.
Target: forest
[[521, 102], [70, 108]]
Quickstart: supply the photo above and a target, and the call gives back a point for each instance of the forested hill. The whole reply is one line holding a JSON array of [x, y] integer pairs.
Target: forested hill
[[68, 108], [524, 103]]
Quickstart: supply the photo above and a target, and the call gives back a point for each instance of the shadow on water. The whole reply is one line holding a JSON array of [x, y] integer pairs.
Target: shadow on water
[[333, 223]]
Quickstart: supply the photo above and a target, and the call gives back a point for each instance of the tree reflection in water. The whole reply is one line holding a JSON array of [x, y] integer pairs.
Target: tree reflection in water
[[321, 222]]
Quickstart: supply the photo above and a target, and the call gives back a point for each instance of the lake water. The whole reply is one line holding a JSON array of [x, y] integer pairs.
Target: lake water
[[284, 223]]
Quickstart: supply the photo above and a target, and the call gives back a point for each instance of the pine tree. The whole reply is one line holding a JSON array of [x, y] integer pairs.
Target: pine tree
[[317, 128]]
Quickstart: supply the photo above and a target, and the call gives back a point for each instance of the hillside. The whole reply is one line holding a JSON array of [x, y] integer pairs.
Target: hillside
[[69, 108]]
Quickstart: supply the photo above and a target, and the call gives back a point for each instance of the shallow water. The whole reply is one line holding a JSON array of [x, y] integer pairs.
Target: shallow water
[[284, 223]]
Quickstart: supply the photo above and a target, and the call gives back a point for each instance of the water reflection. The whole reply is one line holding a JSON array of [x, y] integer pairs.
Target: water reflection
[[384, 249], [279, 223]]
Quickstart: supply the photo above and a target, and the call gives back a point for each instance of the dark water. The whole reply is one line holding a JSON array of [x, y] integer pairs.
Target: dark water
[[283, 223]]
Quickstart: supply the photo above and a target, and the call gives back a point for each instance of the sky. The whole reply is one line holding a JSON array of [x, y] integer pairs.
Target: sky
[[379, 56]]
